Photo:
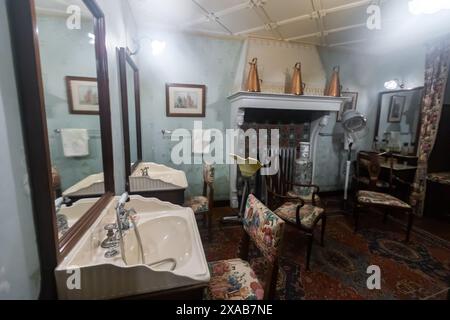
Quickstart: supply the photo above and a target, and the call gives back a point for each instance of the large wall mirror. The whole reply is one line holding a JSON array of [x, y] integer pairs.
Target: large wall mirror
[[398, 120], [61, 64], [131, 112], [144, 178]]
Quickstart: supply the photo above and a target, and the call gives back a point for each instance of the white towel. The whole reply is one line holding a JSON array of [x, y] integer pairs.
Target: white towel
[[75, 142]]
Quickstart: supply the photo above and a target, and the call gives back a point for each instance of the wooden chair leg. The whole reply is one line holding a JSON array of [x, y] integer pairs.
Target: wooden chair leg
[[356, 218], [409, 227], [386, 214], [209, 226], [322, 236], [309, 249]]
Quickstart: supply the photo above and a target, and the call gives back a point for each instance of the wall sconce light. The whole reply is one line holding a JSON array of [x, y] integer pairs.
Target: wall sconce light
[[91, 38], [158, 47], [393, 85]]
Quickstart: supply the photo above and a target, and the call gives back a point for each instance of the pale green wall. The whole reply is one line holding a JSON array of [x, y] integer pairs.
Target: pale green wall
[[64, 53], [19, 263], [187, 59], [365, 74]]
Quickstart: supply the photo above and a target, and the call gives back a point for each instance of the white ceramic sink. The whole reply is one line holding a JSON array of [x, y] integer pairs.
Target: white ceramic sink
[[173, 253], [91, 185], [160, 177], [77, 210]]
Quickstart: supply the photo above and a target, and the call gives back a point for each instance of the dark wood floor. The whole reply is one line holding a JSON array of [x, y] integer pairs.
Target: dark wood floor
[[438, 227]]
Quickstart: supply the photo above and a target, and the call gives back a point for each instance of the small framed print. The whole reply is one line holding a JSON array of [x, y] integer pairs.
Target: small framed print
[[348, 105], [82, 95], [185, 100], [396, 109]]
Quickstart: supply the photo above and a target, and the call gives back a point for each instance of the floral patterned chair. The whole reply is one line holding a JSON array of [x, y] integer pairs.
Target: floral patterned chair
[[294, 209], [234, 279], [203, 205], [372, 198]]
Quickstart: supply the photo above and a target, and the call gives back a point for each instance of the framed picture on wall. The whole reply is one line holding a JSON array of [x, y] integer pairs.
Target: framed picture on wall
[[396, 109], [82, 95], [185, 100], [348, 105]]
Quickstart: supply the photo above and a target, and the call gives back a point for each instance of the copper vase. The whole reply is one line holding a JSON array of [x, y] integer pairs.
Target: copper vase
[[253, 84], [297, 85], [334, 88]]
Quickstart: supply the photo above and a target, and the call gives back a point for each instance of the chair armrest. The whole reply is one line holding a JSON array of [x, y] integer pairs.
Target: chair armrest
[[287, 198], [315, 192], [305, 186], [403, 182]]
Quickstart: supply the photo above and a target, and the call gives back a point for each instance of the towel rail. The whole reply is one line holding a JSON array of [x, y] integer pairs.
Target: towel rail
[[91, 132]]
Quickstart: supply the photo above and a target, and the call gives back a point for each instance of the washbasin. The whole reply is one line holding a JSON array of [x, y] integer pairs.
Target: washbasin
[[173, 255], [149, 176], [166, 241], [77, 210], [91, 185]]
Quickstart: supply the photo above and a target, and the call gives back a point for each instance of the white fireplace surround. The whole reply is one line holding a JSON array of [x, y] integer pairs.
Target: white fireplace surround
[[241, 101]]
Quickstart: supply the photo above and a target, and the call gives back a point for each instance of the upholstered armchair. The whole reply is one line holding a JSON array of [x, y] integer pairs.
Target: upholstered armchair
[[234, 279]]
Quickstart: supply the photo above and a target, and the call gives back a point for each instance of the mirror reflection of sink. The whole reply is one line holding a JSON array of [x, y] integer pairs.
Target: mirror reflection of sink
[[149, 176], [173, 254], [91, 185], [77, 210]]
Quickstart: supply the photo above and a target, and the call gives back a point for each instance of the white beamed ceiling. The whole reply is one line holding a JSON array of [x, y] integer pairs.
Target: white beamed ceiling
[[319, 22]]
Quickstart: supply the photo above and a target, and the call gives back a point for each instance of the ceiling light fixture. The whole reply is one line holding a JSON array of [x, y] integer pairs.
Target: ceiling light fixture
[[417, 7]]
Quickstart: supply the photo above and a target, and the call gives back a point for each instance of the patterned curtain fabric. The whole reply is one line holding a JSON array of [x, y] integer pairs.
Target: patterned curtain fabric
[[436, 75]]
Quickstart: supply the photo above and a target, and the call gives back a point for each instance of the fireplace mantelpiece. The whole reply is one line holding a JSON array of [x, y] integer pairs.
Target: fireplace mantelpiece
[[286, 101], [321, 106]]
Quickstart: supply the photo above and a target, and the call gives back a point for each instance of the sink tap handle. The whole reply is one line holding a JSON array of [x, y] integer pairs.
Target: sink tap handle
[[62, 200], [110, 227]]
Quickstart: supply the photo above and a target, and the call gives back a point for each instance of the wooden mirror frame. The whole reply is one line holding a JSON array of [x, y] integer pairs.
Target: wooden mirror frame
[[124, 59], [22, 18], [380, 102]]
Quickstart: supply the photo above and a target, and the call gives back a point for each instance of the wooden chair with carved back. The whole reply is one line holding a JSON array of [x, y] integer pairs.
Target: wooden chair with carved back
[[292, 208], [234, 279], [371, 197]]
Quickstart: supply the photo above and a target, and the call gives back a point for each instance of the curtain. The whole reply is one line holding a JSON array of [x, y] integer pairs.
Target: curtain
[[436, 75]]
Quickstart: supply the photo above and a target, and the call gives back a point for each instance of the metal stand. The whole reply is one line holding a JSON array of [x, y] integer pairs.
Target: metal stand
[[347, 176], [238, 218]]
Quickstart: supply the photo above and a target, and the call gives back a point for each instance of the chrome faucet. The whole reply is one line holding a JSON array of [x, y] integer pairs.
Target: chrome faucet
[[61, 219], [144, 172], [60, 201], [123, 215], [124, 219]]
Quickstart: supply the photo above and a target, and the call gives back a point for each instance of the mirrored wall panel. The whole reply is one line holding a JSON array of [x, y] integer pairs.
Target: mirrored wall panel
[[398, 120], [69, 75], [132, 122], [131, 113]]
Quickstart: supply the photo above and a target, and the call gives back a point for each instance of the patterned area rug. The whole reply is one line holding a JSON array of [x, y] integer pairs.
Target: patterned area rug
[[417, 270]]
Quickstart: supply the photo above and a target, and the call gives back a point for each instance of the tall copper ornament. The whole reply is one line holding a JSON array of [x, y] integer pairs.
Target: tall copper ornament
[[334, 88], [297, 85], [253, 84]]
